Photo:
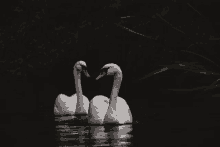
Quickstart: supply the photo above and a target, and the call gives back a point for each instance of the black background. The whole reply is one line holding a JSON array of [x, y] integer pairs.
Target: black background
[[42, 40]]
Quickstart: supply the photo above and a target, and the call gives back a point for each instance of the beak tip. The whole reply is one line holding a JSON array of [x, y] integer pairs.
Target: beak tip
[[86, 73], [100, 76]]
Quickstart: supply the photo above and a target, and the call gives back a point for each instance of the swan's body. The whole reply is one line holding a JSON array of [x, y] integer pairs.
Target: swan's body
[[99, 107], [66, 105], [75, 104], [114, 110]]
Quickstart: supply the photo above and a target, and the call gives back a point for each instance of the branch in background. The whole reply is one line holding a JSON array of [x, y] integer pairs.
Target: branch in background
[[204, 88], [200, 56], [130, 30], [175, 28], [189, 90], [179, 66], [189, 67], [194, 9], [212, 86], [169, 24], [191, 7]]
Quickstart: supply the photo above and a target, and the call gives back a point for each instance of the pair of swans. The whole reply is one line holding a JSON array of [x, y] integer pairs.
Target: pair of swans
[[100, 109]]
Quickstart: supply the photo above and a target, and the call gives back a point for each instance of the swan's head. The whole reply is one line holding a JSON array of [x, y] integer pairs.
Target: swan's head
[[80, 66], [109, 69]]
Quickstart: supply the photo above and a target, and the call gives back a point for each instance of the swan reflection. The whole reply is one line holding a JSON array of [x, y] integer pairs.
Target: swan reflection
[[109, 135], [70, 135]]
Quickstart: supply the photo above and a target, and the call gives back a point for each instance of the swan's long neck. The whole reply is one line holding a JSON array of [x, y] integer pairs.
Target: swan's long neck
[[115, 90], [77, 77]]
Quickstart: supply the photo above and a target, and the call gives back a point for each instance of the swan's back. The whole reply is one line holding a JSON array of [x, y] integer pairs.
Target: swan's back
[[122, 114], [65, 105], [98, 109]]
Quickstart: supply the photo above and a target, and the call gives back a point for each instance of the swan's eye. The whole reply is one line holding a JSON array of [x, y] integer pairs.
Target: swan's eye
[[104, 71], [83, 67]]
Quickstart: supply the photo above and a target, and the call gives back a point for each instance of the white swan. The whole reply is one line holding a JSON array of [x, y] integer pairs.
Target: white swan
[[116, 110], [77, 103]]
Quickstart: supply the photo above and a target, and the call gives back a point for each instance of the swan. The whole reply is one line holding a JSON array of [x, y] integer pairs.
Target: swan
[[77, 104], [116, 110]]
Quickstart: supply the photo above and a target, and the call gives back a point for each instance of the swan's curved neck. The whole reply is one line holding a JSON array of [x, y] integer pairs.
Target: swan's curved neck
[[115, 90], [77, 77]]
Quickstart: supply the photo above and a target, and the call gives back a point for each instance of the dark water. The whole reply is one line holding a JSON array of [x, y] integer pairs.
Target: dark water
[[161, 122], [71, 133]]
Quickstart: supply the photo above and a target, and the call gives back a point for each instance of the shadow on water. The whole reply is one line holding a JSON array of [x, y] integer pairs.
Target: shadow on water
[[76, 132], [111, 135], [71, 130]]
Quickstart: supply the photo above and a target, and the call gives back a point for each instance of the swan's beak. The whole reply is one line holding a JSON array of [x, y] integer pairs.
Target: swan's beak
[[100, 76], [86, 73]]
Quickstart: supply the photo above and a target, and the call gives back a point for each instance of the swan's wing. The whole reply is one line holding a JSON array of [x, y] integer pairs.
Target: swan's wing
[[124, 112], [98, 108], [57, 111]]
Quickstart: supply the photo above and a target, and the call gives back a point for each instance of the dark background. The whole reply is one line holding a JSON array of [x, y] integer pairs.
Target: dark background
[[42, 40]]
